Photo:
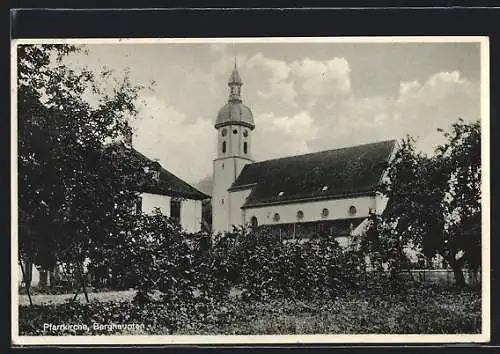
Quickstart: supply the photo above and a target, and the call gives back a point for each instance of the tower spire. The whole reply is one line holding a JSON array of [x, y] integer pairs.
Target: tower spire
[[235, 84]]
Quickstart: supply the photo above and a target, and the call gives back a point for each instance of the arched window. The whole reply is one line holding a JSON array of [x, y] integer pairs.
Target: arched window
[[300, 215], [324, 212], [352, 210], [245, 147], [223, 147], [276, 217], [254, 222]]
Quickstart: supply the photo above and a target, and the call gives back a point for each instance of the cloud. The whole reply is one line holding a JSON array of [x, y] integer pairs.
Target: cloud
[[300, 104], [418, 109], [277, 87], [435, 90], [164, 133], [323, 78], [277, 136]]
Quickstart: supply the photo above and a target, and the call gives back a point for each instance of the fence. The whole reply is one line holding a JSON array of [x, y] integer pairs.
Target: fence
[[442, 276]]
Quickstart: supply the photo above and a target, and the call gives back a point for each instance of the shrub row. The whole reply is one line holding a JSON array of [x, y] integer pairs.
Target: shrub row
[[157, 255]]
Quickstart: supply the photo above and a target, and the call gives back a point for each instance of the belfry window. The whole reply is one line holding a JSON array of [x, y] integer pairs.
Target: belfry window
[[254, 222], [223, 147], [245, 147]]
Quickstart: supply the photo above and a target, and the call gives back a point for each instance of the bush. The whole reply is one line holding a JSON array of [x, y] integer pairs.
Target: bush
[[303, 269]]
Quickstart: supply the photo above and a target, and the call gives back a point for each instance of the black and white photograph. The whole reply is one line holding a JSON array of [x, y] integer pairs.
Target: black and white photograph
[[250, 190]]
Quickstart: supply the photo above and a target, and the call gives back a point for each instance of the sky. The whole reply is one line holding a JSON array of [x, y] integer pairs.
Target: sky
[[305, 97]]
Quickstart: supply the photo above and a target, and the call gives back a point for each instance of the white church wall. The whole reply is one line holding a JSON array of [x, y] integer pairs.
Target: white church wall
[[234, 140], [191, 215], [237, 199], [152, 201], [337, 209], [222, 180], [225, 173]]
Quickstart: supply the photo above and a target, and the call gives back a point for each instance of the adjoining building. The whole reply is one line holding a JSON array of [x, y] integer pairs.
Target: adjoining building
[[174, 197], [327, 192], [163, 190]]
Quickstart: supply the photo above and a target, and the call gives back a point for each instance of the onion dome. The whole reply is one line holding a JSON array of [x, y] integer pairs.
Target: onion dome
[[235, 112]]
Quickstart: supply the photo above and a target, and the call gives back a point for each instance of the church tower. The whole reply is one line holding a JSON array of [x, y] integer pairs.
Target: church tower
[[234, 127]]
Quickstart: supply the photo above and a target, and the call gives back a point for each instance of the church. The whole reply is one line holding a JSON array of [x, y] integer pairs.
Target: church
[[330, 192]]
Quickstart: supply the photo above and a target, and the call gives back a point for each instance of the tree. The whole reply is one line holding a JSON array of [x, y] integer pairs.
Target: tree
[[71, 191], [461, 159], [434, 202]]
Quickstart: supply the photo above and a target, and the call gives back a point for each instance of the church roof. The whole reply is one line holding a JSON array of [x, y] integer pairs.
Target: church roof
[[340, 173], [235, 113], [235, 77], [167, 183]]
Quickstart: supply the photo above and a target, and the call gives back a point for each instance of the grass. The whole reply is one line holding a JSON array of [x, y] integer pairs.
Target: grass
[[420, 310]]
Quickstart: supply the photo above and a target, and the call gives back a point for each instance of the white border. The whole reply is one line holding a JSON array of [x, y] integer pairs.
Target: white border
[[484, 336]]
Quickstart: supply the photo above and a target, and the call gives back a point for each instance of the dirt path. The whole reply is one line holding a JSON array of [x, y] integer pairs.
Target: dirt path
[[124, 295]]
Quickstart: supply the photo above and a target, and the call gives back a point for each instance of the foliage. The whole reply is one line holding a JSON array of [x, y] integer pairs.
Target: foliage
[[71, 192], [462, 160], [262, 266], [434, 203], [150, 253], [423, 310]]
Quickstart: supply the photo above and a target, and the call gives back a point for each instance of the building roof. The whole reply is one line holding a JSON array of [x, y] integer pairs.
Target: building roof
[[340, 173], [167, 183], [235, 113], [235, 77]]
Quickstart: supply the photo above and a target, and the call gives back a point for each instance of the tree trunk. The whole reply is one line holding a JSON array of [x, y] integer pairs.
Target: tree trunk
[[27, 282], [459, 275], [77, 292], [456, 266], [84, 288]]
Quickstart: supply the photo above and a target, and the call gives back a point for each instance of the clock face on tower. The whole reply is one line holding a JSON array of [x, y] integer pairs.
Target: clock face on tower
[[224, 132]]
